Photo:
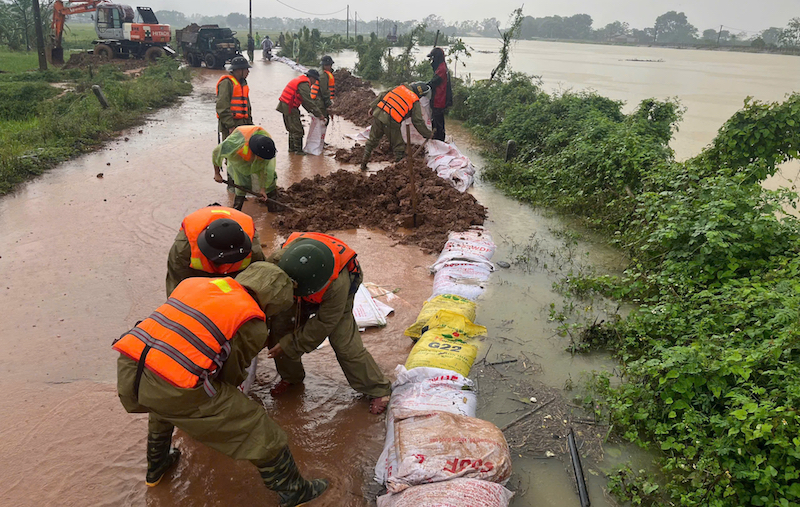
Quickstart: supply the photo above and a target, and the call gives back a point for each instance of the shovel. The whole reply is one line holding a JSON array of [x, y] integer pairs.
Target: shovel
[[420, 146], [256, 194]]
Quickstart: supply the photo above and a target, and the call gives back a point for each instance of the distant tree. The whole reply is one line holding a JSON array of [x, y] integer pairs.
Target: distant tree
[[772, 36], [17, 26], [578, 27], [758, 43], [174, 18], [237, 20], [643, 36], [790, 36], [489, 27], [710, 35], [458, 50], [434, 22], [615, 29], [674, 27]]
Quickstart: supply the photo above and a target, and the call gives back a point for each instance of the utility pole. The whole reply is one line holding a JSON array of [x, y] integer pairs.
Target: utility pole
[[355, 22], [37, 18], [348, 22], [719, 34], [251, 19], [376, 27]]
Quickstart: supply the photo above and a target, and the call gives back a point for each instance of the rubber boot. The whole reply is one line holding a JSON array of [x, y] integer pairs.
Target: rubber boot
[[299, 147], [282, 476], [238, 202], [160, 457]]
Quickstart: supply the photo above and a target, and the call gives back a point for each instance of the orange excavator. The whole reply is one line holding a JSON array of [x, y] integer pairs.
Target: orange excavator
[[117, 34]]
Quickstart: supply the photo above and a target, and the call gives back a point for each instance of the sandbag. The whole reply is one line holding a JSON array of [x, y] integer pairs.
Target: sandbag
[[449, 302], [422, 390], [456, 324], [367, 311], [439, 348], [440, 446], [315, 142], [465, 250], [454, 493], [461, 278]]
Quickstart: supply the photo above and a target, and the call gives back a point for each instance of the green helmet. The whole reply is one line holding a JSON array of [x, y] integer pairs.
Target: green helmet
[[420, 88], [309, 263]]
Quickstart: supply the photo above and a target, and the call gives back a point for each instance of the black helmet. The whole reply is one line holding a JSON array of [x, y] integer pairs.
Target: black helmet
[[326, 60], [224, 242], [420, 88], [313, 73], [436, 51], [309, 263], [239, 62], [263, 146]]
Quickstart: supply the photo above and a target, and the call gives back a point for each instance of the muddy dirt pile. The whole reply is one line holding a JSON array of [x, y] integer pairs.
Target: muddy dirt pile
[[84, 60], [383, 153], [353, 97], [347, 200]]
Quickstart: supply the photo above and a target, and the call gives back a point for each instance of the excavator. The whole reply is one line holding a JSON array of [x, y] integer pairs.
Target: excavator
[[117, 34]]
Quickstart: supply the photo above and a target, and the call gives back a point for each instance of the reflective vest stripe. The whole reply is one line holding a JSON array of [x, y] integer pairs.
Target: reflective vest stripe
[[199, 317], [398, 102], [185, 333], [166, 349], [331, 84]]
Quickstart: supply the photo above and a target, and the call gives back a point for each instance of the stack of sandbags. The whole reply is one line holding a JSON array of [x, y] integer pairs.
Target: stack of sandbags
[[437, 453], [464, 266]]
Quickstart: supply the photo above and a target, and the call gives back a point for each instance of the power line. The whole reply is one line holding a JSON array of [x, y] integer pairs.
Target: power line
[[741, 30], [310, 13]]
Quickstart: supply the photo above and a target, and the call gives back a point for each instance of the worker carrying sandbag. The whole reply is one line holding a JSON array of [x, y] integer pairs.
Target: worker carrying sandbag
[[299, 91], [327, 276], [182, 366], [388, 111], [250, 152], [213, 241]]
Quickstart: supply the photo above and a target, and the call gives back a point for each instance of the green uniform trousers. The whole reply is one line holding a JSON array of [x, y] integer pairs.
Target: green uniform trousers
[[229, 422], [295, 128], [358, 365], [392, 132]]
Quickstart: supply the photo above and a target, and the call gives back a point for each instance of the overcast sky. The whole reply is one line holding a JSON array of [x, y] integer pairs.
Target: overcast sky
[[749, 15]]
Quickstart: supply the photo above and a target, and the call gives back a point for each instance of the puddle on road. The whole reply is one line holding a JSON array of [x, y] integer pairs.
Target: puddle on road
[[84, 257]]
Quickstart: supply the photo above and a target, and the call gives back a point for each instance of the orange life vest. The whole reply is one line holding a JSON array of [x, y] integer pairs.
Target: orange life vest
[[290, 94], [194, 225], [331, 84], [398, 102], [239, 97], [343, 255], [187, 339], [245, 152]]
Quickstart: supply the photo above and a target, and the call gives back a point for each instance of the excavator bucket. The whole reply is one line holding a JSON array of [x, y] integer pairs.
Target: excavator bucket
[[56, 56]]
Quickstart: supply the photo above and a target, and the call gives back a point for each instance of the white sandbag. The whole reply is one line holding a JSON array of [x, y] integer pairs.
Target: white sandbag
[[454, 493], [251, 376], [450, 164], [441, 446], [423, 390], [465, 250], [475, 234], [367, 311], [462, 278], [416, 138], [315, 142]]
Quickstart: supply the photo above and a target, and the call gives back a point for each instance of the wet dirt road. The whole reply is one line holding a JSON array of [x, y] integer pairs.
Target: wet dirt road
[[83, 258]]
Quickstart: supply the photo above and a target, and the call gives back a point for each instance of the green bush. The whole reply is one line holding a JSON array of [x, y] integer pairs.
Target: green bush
[[19, 101]]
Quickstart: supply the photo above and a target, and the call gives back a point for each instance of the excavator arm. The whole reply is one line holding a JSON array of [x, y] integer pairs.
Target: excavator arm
[[60, 13]]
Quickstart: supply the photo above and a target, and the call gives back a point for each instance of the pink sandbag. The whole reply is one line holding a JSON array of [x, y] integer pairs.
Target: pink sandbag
[[454, 493]]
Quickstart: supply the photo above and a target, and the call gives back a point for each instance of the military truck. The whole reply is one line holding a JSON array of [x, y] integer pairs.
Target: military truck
[[208, 44]]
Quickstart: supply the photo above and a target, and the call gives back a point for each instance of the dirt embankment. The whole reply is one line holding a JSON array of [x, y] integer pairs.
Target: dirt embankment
[[347, 200], [382, 153], [353, 97]]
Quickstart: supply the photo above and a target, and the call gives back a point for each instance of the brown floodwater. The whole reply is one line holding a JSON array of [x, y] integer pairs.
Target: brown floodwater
[[83, 258]]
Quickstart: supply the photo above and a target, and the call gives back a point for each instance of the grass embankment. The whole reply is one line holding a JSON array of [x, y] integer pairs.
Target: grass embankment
[[40, 126], [711, 355]]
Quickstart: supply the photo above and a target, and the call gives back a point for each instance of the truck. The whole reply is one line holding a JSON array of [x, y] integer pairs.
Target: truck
[[208, 44], [118, 36]]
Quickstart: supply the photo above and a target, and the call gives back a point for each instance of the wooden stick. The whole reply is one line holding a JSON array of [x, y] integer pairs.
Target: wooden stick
[[526, 414], [411, 178]]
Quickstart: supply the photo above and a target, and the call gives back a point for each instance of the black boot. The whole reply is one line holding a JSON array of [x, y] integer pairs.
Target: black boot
[[160, 457], [238, 202], [282, 476]]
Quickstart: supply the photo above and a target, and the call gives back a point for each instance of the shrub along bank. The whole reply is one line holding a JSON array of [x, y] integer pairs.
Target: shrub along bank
[[40, 126], [711, 355]]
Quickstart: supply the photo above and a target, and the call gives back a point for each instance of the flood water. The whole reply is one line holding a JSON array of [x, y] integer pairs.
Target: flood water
[[83, 258]]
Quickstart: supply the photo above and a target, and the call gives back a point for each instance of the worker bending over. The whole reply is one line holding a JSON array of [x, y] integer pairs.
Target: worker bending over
[[250, 152], [327, 276], [388, 111], [182, 366], [299, 92]]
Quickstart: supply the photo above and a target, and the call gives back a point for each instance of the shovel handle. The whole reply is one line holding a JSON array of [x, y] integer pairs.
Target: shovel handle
[[420, 147]]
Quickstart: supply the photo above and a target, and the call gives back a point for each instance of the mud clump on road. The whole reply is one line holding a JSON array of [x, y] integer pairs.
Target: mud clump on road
[[353, 97], [85, 60], [383, 153], [348, 200]]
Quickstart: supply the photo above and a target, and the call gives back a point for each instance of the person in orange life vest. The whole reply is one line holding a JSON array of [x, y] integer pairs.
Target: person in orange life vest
[[388, 111], [233, 97], [182, 366], [327, 85], [327, 276], [213, 241], [442, 92], [299, 91], [249, 152]]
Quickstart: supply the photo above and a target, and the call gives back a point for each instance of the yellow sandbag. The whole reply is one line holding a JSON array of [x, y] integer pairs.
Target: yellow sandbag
[[450, 302], [455, 323], [437, 349]]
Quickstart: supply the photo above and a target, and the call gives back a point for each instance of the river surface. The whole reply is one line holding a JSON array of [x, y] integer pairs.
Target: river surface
[[83, 258]]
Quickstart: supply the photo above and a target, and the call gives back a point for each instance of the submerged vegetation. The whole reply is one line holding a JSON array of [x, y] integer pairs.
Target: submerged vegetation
[[41, 125], [711, 353]]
